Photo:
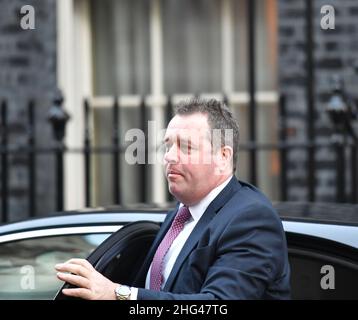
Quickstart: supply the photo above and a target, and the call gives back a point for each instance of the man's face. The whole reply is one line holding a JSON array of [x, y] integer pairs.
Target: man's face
[[189, 162]]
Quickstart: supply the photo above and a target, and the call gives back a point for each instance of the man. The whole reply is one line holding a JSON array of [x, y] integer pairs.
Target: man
[[224, 241]]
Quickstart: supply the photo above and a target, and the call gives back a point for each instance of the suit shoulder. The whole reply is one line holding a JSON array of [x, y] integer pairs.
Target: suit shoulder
[[248, 202]]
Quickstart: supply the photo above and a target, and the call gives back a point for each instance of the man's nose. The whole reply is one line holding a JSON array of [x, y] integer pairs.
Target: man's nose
[[172, 155]]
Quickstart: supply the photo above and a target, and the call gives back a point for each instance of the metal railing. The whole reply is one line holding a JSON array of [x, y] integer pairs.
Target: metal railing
[[59, 118]]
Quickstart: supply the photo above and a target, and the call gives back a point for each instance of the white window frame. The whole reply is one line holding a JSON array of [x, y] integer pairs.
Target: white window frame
[[74, 78]]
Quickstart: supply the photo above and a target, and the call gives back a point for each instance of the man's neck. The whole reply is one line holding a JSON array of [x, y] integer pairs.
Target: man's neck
[[199, 208], [219, 185]]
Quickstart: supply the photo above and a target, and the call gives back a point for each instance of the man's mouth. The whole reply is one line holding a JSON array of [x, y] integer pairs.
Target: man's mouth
[[173, 173]]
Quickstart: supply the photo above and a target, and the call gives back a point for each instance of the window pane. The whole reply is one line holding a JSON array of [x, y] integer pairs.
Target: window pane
[[265, 44], [121, 46], [104, 173], [307, 275], [192, 46], [27, 266]]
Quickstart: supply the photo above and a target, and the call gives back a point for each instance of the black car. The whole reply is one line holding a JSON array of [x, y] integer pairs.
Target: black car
[[322, 241]]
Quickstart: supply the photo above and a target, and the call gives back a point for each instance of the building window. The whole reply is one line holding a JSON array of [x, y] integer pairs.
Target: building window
[[171, 47]]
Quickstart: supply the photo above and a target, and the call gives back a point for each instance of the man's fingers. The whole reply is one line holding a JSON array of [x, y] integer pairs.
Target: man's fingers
[[81, 262], [74, 279], [91, 284], [77, 266], [73, 268], [77, 292]]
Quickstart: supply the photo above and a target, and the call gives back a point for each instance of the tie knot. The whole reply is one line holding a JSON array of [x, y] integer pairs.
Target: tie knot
[[183, 215]]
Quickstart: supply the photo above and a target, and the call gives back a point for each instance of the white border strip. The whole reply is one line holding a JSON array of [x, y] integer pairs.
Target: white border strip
[[58, 232], [227, 44]]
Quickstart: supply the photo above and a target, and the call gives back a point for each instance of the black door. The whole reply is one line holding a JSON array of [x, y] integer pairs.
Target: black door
[[120, 257]]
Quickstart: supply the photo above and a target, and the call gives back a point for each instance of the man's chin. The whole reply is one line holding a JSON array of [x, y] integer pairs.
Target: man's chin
[[172, 188], [175, 190]]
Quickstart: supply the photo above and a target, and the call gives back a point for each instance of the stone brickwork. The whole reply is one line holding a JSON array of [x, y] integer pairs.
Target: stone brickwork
[[28, 71], [336, 53]]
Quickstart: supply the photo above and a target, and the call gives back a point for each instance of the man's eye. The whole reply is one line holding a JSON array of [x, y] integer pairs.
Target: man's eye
[[185, 148]]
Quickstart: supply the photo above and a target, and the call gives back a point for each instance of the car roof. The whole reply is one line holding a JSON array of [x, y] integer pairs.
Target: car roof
[[331, 213], [75, 218], [330, 221]]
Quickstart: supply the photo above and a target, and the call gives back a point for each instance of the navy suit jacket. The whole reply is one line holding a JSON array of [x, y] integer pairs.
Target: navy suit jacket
[[237, 250]]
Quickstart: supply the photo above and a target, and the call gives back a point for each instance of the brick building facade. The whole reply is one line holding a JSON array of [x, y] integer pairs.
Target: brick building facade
[[28, 71], [335, 53]]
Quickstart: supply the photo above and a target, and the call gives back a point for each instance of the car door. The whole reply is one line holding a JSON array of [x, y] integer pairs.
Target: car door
[[27, 259], [322, 269], [120, 256]]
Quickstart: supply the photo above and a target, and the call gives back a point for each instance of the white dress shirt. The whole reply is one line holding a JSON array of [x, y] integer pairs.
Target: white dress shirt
[[169, 260]]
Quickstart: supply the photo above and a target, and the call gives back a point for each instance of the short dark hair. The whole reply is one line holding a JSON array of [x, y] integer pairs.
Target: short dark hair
[[219, 117]]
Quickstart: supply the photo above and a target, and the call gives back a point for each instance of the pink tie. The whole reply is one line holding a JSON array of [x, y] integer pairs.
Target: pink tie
[[156, 276]]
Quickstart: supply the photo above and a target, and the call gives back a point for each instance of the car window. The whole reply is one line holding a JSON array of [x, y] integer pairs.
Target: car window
[[27, 266], [322, 277], [321, 268]]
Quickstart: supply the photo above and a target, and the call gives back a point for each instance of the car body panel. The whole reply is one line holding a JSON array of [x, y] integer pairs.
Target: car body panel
[[347, 235], [97, 222]]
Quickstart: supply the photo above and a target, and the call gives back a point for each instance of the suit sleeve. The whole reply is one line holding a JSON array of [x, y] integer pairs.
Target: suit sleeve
[[249, 255]]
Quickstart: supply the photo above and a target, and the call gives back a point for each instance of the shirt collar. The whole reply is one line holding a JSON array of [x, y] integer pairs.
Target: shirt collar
[[198, 209]]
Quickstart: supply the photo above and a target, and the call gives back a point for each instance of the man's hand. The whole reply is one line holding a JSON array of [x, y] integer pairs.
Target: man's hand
[[91, 284]]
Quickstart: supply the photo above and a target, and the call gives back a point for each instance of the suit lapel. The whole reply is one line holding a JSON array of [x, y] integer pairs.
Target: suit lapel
[[195, 235]]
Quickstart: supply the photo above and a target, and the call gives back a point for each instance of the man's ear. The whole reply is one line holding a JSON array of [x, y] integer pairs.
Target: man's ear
[[226, 158]]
